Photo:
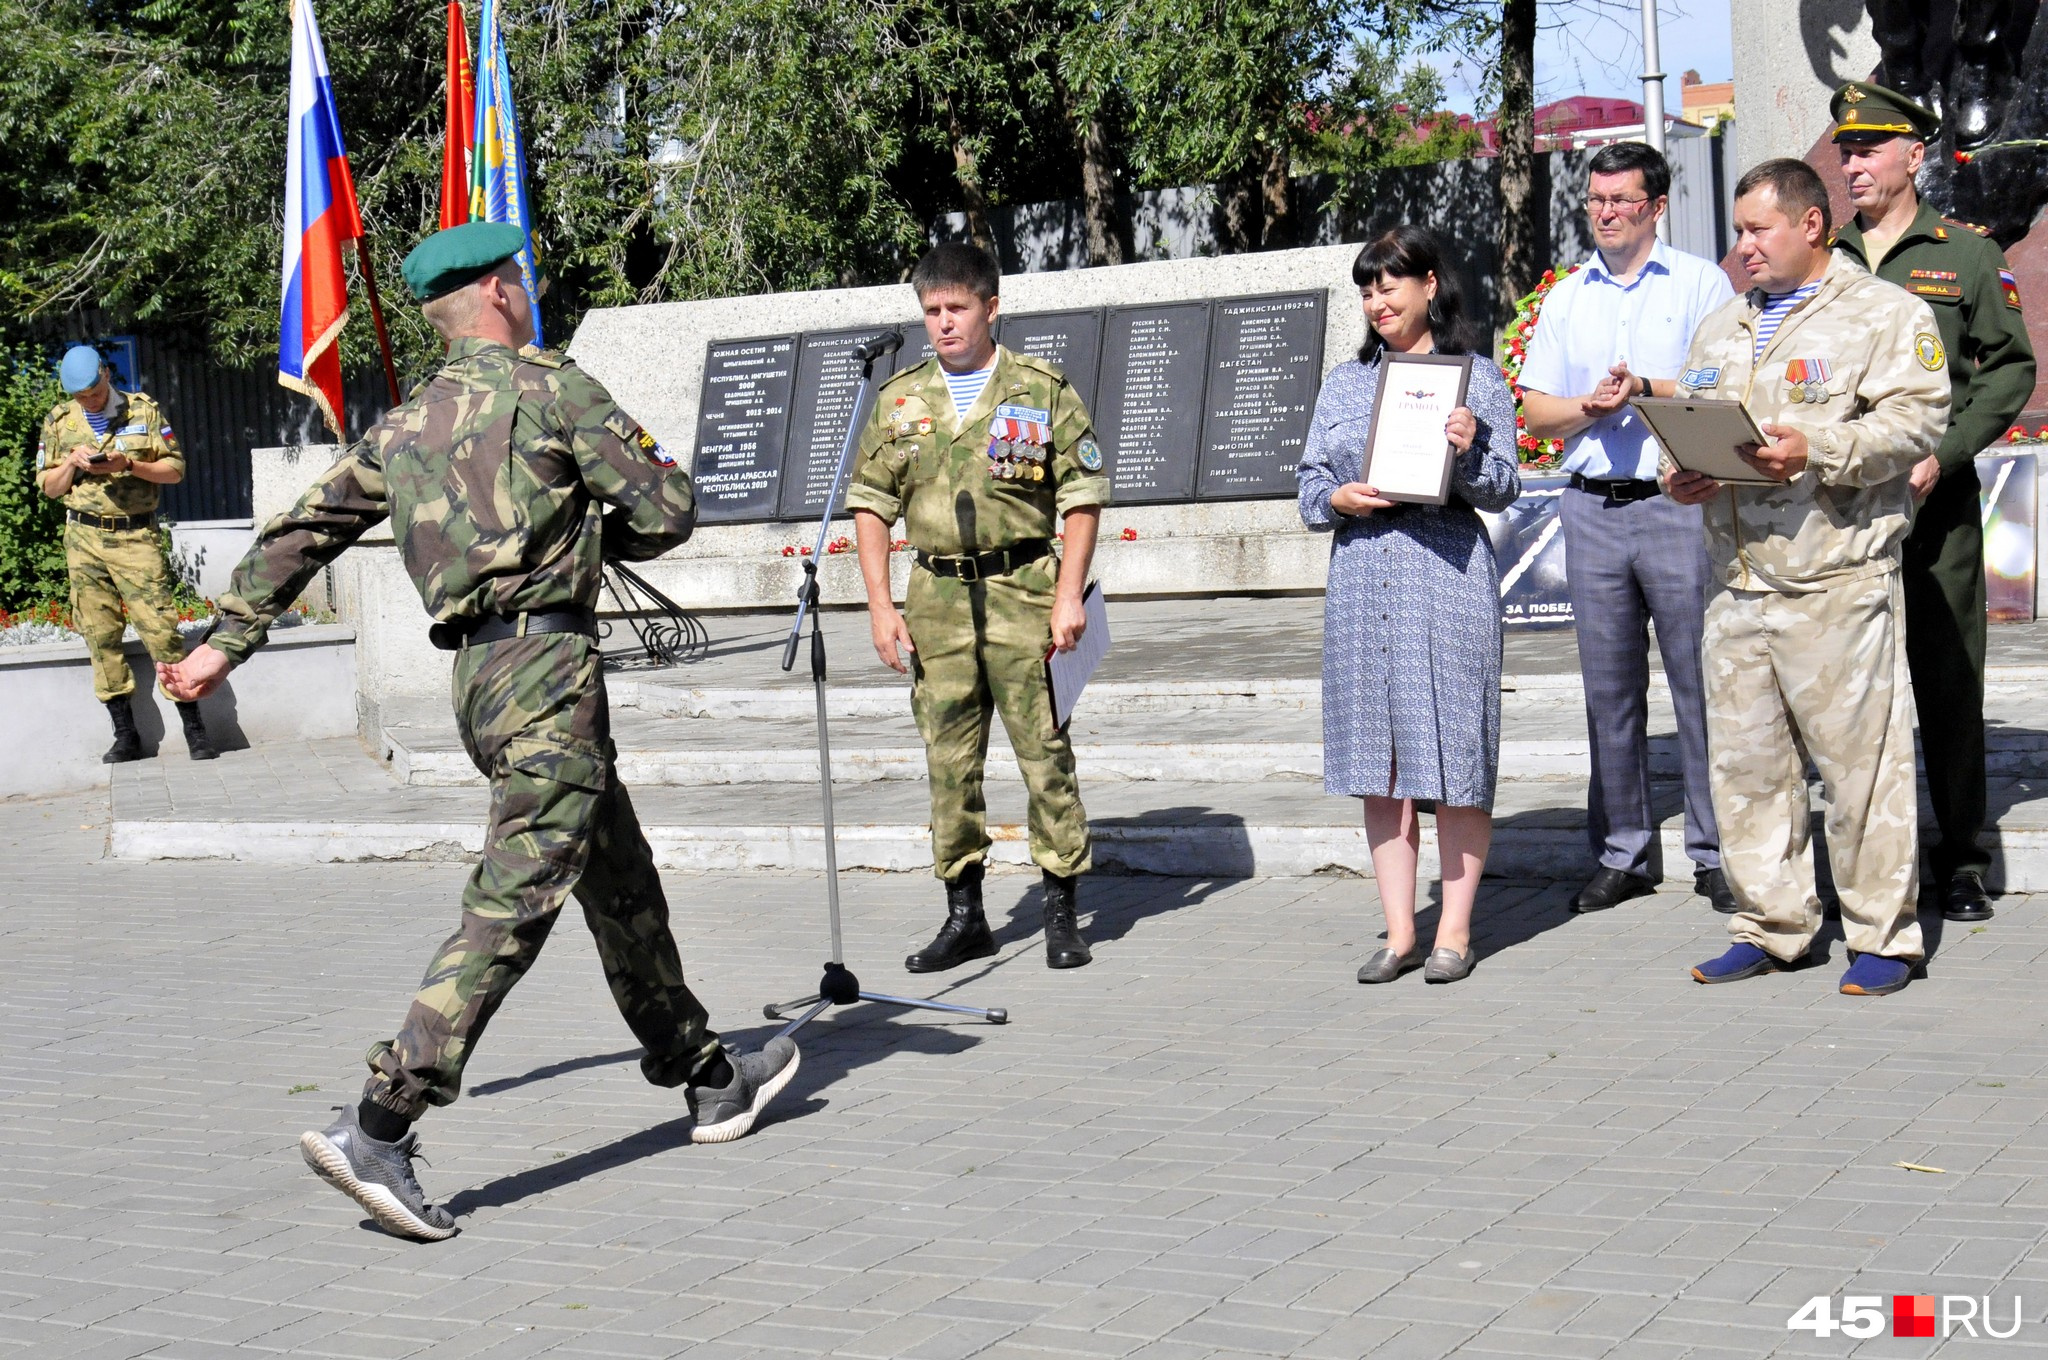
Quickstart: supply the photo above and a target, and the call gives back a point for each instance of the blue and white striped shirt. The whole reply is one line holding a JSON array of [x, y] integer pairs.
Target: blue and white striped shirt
[[967, 387], [99, 420], [1777, 306]]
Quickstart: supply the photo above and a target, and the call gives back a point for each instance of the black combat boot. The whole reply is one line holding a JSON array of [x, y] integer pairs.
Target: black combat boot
[[1064, 947], [965, 935], [196, 740], [127, 741]]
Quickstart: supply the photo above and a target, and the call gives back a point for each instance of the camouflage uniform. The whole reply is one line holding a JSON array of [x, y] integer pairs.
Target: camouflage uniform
[[508, 479], [1804, 646], [110, 568], [1000, 474]]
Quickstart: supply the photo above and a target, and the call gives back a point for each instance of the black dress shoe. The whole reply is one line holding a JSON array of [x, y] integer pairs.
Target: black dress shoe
[[1712, 884], [1966, 899], [1611, 888]]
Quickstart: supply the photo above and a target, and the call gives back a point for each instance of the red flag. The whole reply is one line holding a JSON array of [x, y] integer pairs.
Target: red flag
[[460, 143]]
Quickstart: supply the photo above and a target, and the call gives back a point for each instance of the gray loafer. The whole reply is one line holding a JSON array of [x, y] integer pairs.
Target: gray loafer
[[1386, 965], [1447, 965]]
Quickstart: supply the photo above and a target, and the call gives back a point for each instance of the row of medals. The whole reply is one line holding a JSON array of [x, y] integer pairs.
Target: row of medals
[[1807, 393], [1008, 462]]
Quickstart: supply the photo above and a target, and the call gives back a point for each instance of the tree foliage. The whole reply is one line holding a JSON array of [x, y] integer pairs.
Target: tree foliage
[[678, 148], [31, 524]]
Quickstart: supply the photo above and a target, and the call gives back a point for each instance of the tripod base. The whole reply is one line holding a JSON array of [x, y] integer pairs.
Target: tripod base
[[839, 987]]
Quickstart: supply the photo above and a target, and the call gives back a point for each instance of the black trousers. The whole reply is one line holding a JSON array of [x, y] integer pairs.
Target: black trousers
[[1943, 579]]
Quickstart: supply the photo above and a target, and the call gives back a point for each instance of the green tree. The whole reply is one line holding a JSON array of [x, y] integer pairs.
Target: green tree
[[31, 524]]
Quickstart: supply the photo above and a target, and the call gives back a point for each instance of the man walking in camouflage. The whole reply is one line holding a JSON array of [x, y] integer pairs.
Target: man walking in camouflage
[[509, 477], [1804, 642], [107, 455], [980, 450]]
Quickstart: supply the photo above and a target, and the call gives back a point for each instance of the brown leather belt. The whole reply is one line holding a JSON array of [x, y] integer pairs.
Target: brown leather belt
[[977, 566], [454, 636], [115, 523]]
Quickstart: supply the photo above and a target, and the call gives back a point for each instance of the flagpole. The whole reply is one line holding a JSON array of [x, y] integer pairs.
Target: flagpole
[[377, 315]]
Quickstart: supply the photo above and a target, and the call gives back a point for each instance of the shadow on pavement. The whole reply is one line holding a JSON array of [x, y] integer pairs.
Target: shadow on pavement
[[1109, 906], [829, 1048], [557, 1069]]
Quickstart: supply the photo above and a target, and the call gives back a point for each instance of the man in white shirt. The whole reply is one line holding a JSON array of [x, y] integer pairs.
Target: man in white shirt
[[1615, 330]]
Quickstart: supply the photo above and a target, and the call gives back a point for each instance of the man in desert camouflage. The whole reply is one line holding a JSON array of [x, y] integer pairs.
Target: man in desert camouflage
[[509, 478], [981, 451], [108, 454], [1804, 645]]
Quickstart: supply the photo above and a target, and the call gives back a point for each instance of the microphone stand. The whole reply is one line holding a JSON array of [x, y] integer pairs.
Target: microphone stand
[[838, 986]]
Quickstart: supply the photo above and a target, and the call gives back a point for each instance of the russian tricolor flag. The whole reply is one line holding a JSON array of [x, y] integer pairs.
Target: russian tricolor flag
[[320, 214]]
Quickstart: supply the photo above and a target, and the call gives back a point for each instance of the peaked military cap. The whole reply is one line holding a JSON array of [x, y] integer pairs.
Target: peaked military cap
[[1862, 109], [451, 258]]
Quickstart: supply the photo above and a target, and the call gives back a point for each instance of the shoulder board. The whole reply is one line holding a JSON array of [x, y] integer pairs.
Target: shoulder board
[[59, 411], [1832, 235], [1038, 365], [1968, 226], [546, 358], [904, 376], [140, 399]]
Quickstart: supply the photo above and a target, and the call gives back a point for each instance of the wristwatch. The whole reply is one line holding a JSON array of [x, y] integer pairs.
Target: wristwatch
[[1647, 390]]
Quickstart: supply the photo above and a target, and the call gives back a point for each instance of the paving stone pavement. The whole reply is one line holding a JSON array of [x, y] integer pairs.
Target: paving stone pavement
[[1212, 1143]]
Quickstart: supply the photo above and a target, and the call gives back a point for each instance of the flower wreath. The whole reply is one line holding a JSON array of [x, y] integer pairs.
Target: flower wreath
[[1535, 453]]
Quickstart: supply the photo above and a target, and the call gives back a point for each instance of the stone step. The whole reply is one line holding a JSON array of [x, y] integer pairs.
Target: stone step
[[323, 802]]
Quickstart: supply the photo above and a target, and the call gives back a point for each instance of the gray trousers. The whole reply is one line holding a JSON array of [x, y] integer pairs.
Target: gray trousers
[[1626, 564]]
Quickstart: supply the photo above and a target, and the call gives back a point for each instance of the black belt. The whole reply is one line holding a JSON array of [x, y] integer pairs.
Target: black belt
[[453, 637], [1617, 490], [975, 566], [116, 523]]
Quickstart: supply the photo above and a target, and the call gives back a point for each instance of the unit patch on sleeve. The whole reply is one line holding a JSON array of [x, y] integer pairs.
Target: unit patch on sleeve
[[2012, 288]]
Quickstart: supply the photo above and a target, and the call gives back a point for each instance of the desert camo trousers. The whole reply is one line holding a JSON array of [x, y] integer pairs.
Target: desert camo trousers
[[981, 648], [534, 718], [119, 577], [1819, 675]]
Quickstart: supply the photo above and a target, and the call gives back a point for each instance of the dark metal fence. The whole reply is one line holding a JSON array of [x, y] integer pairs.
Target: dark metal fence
[[219, 413]]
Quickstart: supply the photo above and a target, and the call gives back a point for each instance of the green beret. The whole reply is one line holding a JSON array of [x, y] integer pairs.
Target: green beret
[[449, 259], [1862, 109]]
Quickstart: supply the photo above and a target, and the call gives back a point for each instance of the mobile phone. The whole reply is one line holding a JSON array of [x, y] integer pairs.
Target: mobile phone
[[97, 456]]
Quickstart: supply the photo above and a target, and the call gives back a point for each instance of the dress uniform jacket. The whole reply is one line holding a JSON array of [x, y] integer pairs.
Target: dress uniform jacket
[[1962, 276], [1803, 646]]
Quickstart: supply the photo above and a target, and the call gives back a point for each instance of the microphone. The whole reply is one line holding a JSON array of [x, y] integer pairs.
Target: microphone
[[1756, 297], [875, 346]]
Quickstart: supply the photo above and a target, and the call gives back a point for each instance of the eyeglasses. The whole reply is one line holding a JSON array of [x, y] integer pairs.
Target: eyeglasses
[[1595, 204]]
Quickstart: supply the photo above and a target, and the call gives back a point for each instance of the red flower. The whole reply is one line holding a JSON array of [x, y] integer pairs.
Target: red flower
[[789, 551], [1129, 535]]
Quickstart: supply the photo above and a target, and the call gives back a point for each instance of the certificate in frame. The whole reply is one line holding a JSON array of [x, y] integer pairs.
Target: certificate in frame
[[1407, 458], [1701, 434]]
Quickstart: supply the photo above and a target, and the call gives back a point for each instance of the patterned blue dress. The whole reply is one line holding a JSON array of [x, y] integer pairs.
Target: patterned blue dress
[[1411, 622]]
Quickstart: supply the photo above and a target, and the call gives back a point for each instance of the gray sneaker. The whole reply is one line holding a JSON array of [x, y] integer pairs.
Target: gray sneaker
[[377, 1176], [726, 1113]]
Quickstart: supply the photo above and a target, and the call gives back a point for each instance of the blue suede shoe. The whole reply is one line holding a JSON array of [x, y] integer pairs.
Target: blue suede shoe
[[1876, 975], [1743, 960]]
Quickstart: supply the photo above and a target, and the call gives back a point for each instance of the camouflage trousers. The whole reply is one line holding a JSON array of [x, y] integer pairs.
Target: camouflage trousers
[[534, 718], [1821, 675], [109, 568], [981, 649]]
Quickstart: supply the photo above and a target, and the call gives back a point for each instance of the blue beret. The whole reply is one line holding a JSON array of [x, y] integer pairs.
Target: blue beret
[[80, 369], [449, 259]]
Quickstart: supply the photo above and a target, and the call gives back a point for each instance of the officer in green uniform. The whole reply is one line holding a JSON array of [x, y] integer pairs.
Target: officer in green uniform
[[107, 454], [981, 451], [1961, 274], [509, 477]]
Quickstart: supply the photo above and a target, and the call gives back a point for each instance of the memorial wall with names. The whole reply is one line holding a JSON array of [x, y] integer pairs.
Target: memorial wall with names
[[1194, 400]]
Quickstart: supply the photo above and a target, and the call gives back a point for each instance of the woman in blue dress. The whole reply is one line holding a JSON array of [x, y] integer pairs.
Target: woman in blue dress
[[1411, 621]]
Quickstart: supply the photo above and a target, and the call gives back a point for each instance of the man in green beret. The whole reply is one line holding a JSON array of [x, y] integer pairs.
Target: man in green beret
[[1881, 137], [511, 581]]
